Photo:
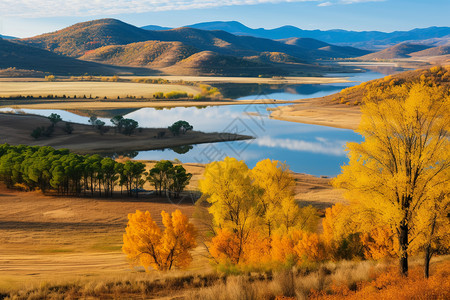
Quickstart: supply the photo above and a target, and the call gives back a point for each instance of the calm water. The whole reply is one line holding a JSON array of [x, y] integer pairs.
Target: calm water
[[311, 149]]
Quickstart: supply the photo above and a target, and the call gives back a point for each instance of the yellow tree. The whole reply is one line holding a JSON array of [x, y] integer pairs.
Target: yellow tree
[[228, 188], [432, 230], [275, 200], [144, 243], [400, 163]]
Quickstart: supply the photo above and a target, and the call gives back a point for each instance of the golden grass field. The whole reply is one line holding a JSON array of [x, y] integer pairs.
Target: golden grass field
[[48, 238], [89, 88]]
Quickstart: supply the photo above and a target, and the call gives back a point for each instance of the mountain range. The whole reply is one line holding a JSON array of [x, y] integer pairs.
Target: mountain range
[[106, 46], [371, 40]]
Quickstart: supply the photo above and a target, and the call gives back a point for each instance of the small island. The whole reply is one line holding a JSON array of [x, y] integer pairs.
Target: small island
[[16, 129]]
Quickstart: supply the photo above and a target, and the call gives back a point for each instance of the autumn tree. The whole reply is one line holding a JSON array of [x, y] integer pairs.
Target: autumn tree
[[227, 186], [146, 244], [403, 160], [250, 207]]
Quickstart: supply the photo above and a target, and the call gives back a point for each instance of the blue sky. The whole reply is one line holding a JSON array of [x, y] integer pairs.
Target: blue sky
[[24, 18]]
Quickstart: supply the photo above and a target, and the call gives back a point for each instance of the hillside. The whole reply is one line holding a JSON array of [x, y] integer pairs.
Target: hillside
[[325, 50], [150, 53], [14, 55], [402, 50], [211, 63], [77, 39], [435, 51], [354, 95], [80, 39]]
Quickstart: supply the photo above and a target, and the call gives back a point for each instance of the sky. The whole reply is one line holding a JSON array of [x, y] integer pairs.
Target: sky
[[25, 18]]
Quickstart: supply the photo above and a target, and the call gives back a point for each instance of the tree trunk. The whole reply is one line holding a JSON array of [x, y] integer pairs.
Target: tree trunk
[[428, 255], [403, 242]]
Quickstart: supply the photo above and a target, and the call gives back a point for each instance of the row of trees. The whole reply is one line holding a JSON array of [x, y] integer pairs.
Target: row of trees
[[46, 168]]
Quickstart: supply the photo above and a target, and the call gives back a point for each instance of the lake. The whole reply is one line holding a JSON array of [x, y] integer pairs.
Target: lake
[[312, 149]]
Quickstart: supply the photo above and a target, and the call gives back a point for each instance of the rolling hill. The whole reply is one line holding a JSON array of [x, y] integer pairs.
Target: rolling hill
[[77, 39], [435, 51], [81, 38], [403, 50], [23, 57], [325, 50], [361, 39], [211, 63], [436, 75], [142, 54]]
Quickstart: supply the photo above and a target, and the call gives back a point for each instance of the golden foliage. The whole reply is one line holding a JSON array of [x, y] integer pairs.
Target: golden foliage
[[379, 243], [145, 244], [403, 161], [250, 206]]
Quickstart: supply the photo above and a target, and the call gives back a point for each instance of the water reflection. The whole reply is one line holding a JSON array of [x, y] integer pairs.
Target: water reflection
[[312, 149]]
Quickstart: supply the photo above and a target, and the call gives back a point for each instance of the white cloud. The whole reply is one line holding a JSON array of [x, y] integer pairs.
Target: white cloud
[[328, 3], [359, 1], [321, 145], [50, 8]]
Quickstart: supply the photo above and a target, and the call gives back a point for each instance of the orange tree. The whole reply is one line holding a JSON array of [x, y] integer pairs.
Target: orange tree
[[404, 160], [146, 244]]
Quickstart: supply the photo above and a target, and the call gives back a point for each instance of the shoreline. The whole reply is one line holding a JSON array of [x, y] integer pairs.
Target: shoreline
[[118, 104], [318, 111], [15, 129]]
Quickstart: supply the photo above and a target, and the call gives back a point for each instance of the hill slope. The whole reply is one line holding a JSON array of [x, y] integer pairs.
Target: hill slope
[[322, 49], [150, 53], [13, 55], [437, 75], [435, 51], [77, 39], [211, 63], [402, 50]]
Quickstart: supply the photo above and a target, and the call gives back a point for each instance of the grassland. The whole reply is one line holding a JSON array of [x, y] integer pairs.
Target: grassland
[[79, 89], [48, 238]]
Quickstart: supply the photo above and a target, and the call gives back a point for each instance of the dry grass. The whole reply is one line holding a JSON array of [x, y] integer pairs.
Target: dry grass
[[95, 89], [52, 238]]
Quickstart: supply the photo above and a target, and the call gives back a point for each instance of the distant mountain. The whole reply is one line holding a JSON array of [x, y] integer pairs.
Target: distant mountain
[[7, 37], [402, 50], [155, 27], [14, 55], [360, 39], [324, 49]]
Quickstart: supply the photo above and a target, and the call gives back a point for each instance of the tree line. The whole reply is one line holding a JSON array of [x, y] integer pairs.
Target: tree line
[[46, 168]]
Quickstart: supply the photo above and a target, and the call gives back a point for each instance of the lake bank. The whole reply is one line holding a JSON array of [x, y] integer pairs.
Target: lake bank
[[319, 111], [16, 129]]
